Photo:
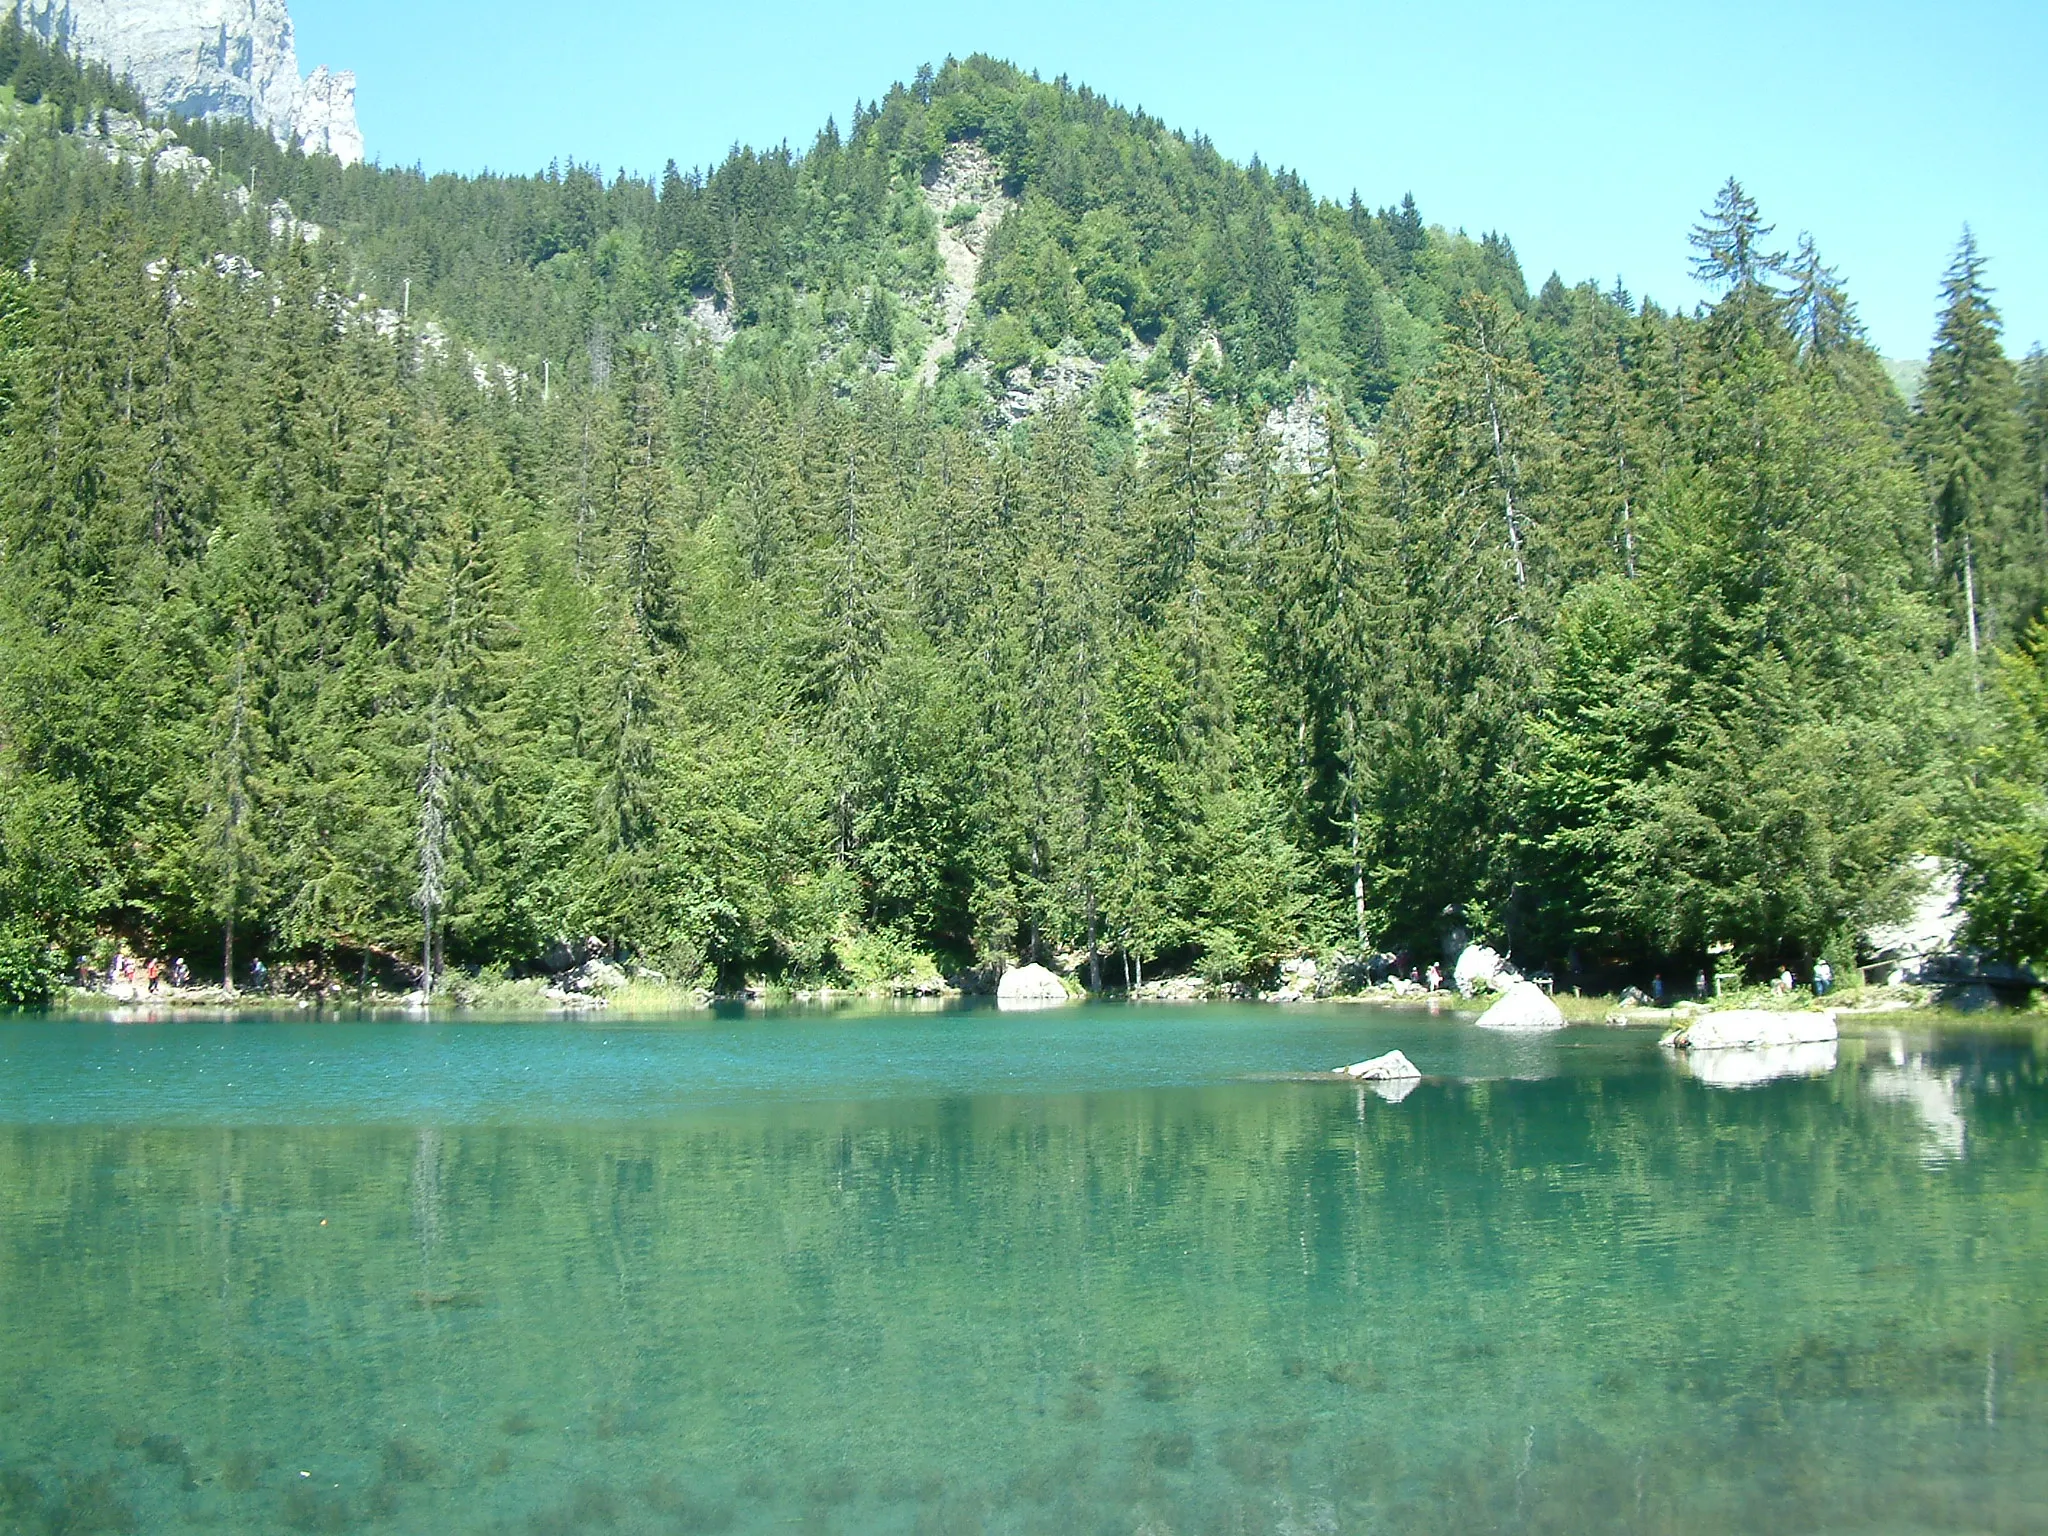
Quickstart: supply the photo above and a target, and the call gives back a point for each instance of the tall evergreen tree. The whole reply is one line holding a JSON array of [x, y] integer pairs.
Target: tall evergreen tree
[[1967, 439]]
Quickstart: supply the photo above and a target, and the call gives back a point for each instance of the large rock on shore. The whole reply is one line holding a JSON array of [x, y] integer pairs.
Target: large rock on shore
[[1750, 1028], [1479, 967], [1030, 986], [1523, 1007]]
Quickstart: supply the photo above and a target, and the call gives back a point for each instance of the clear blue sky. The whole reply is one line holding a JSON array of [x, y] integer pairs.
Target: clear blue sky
[[1590, 133]]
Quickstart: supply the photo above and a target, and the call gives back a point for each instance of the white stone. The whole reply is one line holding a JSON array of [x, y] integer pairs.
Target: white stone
[[1933, 925], [1745, 1028], [1524, 1006], [212, 58], [1030, 986], [1382, 1069], [1479, 967]]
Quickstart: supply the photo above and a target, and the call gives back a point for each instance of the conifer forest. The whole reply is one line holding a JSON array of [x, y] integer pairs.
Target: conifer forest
[[1004, 528]]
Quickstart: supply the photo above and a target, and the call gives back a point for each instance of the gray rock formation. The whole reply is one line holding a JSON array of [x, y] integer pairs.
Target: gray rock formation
[[211, 58], [1480, 968], [966, 197], [1930, 930]]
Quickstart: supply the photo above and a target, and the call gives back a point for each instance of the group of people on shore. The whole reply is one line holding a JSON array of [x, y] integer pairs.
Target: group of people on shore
[[135, 975], [1823, 979], [143, 976], [1784, 982]]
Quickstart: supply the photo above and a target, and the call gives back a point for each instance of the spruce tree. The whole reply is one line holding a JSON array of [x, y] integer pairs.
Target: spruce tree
[[1967, 440]]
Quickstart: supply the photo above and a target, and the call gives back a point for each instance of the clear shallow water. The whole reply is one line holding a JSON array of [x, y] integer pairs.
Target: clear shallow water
[[1095, 1270]]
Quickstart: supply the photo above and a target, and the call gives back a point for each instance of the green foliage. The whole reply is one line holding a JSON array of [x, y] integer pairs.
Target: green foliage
[[30, 970], [883, 955], [1355, 586], [2003, 846]]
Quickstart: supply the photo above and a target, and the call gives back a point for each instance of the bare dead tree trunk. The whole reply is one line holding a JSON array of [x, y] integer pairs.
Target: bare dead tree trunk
[[1970, 604]]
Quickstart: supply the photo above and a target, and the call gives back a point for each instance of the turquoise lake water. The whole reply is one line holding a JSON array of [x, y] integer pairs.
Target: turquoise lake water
[[1102, 1269]]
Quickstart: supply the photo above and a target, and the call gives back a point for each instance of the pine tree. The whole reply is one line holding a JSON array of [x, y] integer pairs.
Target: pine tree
[[1736, 260], [1966, 437]]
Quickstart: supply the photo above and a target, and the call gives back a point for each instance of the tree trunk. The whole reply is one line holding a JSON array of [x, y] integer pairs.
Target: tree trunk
[[1094, 951], [1357, 880], [1628, 532], [1970, 603], [227, 955]]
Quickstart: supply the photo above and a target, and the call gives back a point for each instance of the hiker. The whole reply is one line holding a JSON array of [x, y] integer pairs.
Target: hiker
[[1657, 989], [85, 973], [259, 975], [181, 976], [1823, 978], [153, 971], [1436, 977], [1699, 985]]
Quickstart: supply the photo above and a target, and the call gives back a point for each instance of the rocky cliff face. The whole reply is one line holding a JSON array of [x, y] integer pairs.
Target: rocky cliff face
[[211, 58]]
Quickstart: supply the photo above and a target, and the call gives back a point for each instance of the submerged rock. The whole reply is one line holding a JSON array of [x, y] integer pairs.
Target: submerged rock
[[1030, 986], [1388, 1068], [1746, 1028], [1524, 1006]]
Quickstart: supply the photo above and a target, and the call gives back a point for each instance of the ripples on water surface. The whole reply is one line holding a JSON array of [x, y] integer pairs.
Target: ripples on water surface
[[1097, 1270]]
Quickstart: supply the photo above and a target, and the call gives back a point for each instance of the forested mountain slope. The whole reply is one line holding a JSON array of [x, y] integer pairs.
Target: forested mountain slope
[[698, 565]]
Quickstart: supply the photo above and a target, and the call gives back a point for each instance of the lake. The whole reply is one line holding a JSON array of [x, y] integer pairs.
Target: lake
[[1102, 1269]]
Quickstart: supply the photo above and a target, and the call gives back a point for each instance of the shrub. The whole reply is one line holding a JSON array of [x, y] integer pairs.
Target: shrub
[[29, 969]]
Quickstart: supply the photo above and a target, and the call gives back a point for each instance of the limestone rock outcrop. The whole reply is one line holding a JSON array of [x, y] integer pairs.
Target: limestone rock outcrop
[[1479, 967], [211, 58]]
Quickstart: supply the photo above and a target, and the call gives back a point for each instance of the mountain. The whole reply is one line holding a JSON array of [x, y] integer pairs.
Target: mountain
[[211, 59], [1004, 527]]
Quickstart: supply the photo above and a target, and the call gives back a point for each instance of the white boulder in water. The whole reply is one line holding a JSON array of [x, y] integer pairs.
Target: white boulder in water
[[1391, 1067], [1751, 1028], [1524, 1006], [1030, 986], [1479, 967]]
